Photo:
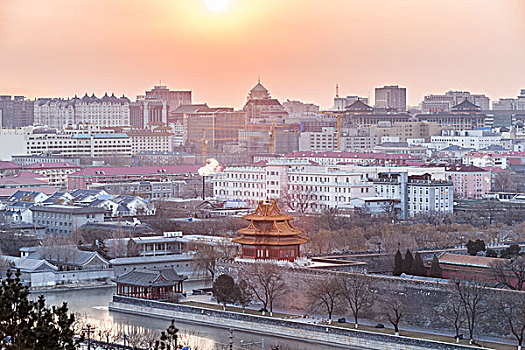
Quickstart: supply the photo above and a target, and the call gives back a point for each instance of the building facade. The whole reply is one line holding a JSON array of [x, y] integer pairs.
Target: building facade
[[444, 103], [56, 172], [65, 219], [260, 108], [173, 98], [104, 111], [80, 144], [83, 179], [418, 194], [302, 186], [392, 98], [15, 111]]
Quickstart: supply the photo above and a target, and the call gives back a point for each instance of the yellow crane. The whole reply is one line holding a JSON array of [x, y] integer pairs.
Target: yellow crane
[[204, 144], [271, 143], [339, 126]]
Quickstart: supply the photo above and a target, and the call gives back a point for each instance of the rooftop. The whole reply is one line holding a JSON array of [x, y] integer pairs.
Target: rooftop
[[137, 170]]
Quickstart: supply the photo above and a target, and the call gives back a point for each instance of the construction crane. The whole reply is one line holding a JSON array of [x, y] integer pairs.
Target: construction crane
[[339, 126], [204, 144], [271, 133]]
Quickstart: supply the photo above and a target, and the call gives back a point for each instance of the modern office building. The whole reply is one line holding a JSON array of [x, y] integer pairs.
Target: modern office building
[[391, 98], [173, 98], [15, 111]]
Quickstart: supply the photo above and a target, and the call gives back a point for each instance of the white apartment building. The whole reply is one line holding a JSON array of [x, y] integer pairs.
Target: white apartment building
[[150, 141], [486, 160], [476, 139], [80, 144], [297, 183], [417, 194], [59, 112], [13, 141]]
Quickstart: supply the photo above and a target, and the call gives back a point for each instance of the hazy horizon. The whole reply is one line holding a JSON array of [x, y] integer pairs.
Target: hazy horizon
[[301, 49]]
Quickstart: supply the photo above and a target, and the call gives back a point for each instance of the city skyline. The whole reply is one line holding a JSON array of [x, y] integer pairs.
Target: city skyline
[[63, 48]]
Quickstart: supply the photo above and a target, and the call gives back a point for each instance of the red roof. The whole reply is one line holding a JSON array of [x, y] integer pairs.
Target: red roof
[[29, 175], [137, 170], [356, 155], [8, 192], [5, 165], [57, 165], [15, 180], [456, 167]]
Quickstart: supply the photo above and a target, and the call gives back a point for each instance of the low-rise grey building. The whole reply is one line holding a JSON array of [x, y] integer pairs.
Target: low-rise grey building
[[64, 219]]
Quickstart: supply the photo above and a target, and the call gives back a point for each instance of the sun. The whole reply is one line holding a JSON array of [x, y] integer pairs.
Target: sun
[[217, 5]]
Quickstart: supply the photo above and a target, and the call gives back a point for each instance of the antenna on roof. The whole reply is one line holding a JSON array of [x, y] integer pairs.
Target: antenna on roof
[[336, 90], [258, 79]]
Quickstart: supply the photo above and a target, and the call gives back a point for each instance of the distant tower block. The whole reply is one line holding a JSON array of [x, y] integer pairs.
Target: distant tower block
[[270, 235]]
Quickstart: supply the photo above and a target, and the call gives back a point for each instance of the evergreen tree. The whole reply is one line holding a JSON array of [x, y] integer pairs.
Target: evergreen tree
[[407, 262], [30, 324], [473, 247], [398, 264], [418, 267], [435, 269], [224, 290]]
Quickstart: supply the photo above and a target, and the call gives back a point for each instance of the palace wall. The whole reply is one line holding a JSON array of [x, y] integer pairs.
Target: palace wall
[[422, 299]]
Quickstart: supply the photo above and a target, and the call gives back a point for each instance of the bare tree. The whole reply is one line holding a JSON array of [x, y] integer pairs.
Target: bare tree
[[325, 293], [118, 246], [299, 198], [510, 273], [451, 311], [59, 250], [394, 308], [244, 294], [513, 310], [357, 291], [206, 256], [471, 296], [266, 283], [504, 182]]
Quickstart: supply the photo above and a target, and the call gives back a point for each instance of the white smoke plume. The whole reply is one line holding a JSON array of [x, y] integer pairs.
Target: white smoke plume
[[212, 167]]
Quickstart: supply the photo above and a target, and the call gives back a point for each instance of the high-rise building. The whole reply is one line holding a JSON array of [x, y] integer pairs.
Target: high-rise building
[[392, 98], [16, 111], [173, 99], [218, 125], [147, 111]]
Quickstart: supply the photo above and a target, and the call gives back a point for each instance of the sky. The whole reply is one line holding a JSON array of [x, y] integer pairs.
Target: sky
[[300, 48]]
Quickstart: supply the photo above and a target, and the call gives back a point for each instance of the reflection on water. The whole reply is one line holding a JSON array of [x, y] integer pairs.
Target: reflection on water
[[92, 307]]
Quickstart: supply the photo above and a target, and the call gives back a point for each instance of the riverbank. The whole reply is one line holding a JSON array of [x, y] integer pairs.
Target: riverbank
[[321, 334]]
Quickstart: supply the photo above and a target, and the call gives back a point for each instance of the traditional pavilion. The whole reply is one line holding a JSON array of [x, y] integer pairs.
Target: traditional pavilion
[[149, 284], [270, 235]]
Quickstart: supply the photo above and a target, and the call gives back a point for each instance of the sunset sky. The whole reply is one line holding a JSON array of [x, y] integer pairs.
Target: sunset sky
[[300, 48]]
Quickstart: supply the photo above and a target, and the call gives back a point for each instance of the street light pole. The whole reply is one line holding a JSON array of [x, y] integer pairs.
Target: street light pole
[[88, 330]]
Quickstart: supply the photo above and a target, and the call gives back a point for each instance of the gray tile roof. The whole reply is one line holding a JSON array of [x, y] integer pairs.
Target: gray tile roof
[[150, 278]]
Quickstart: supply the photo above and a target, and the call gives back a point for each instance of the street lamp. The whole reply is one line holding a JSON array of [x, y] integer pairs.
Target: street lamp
[[88, 330]]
